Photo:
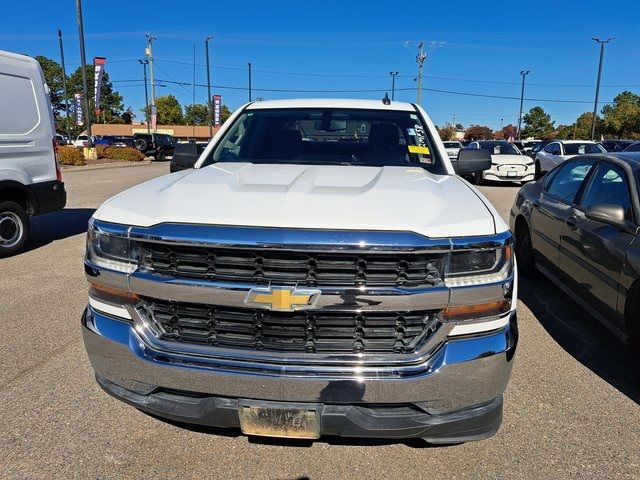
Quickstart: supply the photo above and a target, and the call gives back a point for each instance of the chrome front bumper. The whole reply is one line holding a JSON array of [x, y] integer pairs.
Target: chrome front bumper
[[463, 372]]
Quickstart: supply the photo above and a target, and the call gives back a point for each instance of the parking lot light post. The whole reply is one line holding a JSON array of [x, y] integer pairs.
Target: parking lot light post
[[146, 94], [595, 103], [524, 73], [85, 90], [210, 107]]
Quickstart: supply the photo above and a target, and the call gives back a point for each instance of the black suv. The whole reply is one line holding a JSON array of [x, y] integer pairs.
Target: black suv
[[156, 145]]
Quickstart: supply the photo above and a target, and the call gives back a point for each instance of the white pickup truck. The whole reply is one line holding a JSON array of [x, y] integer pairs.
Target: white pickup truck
[[321, 271]]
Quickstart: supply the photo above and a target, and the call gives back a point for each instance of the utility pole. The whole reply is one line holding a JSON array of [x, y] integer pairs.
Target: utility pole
[[420, 58], [146, 95], [64, 84], [393, 84], [595, 103], [524, 73], [249, 65], [210, 107], [85, 90], [149, 53]]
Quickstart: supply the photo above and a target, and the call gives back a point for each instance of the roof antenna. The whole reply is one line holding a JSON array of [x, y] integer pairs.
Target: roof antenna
[[386, 100]]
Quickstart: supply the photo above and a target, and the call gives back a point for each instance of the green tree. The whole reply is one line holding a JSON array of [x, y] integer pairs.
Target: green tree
[[111, 102], [622, 118], [582, 126], [169, 110], [196, 114], [225, 113], [478, 132], [537, 124], [563, 132], [53, 76]]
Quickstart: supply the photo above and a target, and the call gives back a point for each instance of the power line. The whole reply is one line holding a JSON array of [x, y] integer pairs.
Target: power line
[[382, 90]]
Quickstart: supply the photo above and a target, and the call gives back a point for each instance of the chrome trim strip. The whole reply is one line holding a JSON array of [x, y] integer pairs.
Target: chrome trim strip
[[147, 284], [301, 239]]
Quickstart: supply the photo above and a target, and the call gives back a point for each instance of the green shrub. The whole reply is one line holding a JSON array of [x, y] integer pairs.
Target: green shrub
[[70, 156], [126, 154]]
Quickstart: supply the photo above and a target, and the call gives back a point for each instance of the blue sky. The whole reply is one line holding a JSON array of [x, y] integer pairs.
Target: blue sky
[[472, 47]]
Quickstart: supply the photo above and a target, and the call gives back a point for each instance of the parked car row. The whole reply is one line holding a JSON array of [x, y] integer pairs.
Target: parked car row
[[160, 146]]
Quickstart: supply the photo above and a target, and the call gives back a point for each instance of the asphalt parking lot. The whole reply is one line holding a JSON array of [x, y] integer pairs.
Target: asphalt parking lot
[[571, 408]]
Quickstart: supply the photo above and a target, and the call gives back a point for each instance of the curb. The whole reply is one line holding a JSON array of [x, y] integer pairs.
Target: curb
[[101, 166]]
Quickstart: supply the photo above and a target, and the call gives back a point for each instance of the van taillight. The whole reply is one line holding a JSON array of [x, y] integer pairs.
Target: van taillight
[[56, 161]]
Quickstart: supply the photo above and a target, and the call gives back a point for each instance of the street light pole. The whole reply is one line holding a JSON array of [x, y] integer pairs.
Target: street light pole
[[209, 109], [85, 90], [64, 84], [393, 84], [146, 95], [249, 65], [595, 103], [524, 73]]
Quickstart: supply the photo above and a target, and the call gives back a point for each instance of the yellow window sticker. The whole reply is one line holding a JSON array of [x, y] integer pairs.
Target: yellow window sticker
[[418, 149]]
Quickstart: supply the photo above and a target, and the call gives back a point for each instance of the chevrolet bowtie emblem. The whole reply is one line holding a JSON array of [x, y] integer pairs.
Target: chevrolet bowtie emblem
[[282, 299]]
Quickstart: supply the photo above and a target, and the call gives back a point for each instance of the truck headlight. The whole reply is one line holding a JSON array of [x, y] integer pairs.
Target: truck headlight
[[111, 251], [478, 266]]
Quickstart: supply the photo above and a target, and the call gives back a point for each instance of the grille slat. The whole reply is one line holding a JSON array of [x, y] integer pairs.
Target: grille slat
[[321, 332], [293, 268]]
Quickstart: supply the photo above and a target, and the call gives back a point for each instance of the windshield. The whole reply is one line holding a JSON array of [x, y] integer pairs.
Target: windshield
[[582, 148], [499, 148], [328, 136]]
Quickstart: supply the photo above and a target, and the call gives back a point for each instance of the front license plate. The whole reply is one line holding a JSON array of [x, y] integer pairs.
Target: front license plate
[[279, 422], [512, 174]]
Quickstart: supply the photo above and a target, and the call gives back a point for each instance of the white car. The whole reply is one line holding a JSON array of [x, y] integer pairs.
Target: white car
[[452, 149], [320, 259], [557, 152], [508, 164], [81, 141]]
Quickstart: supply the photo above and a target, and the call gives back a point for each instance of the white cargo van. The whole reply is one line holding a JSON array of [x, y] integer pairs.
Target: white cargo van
[[30, 179]]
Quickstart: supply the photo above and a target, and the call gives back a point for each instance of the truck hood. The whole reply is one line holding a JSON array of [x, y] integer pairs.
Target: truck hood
[[313, 197]]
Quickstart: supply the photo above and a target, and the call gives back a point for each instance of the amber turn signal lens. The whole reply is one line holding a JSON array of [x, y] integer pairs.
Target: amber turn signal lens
[[113, 292], [480, 310]]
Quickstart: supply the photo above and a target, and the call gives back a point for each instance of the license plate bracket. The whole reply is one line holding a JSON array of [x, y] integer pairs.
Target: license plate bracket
[[512, 173], [280, 420]]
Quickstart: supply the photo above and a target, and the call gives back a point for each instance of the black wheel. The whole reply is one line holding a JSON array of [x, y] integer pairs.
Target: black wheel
[[140, 144], [524, 250], [477, 178], [14, 228], [160, 156]]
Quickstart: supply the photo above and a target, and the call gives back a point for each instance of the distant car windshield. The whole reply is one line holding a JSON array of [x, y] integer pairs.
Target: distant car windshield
[[499, 148], [582, 148], [328, 136], [452, 144]]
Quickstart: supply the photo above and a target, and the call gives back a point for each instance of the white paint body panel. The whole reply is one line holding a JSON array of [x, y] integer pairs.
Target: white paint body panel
[[312, 197], [26, 146]]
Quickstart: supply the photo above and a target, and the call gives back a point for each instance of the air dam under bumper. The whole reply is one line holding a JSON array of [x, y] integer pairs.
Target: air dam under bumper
[[454, 396]]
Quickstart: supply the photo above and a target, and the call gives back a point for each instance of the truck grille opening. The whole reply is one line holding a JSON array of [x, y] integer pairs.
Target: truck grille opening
[[304, 332], [311, 269]]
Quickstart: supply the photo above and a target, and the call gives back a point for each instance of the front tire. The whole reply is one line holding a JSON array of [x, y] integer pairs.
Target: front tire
[[160, 156], [524, 250], [633, 335], [477, 178], [14, 228]]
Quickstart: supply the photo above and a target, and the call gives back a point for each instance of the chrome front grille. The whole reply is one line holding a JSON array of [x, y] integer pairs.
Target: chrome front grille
[[283, 267], [303, 332]]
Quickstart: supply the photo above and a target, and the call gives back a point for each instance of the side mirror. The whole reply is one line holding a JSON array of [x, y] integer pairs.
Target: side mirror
[[472, 160], [185, 156], [606, 213]]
